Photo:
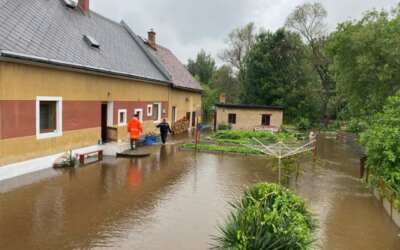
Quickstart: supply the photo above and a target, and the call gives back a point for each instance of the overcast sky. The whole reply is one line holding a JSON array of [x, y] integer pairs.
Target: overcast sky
[[186, 26]]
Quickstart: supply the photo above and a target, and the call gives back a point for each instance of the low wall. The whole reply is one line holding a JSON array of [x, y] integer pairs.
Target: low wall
[[389, 208]]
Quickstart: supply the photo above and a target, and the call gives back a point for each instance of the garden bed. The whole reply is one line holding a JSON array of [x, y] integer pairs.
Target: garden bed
[[237, 142]]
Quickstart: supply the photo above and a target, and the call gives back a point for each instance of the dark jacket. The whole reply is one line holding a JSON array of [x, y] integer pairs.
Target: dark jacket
[[164, 128]]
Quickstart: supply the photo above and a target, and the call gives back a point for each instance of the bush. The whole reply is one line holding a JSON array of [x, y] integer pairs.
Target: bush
[[357, 126], [303, 124], [382, 143], [223, 127], [222, 149], [262, 135], [268, 217]]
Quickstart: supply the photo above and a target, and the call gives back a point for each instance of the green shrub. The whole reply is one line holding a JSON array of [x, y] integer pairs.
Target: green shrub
[[223, 127], [265, 136], [382, 143], [303, 124], [268, 217], [222, 149], [357, 125]]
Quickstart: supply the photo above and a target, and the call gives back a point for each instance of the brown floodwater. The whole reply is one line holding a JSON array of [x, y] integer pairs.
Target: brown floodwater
[[175, 200]]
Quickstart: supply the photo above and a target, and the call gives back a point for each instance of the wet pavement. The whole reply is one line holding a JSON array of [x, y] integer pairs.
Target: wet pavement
[[175, 200]]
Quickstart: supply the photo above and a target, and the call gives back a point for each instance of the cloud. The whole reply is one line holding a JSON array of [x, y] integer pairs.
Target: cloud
[[186, 26]]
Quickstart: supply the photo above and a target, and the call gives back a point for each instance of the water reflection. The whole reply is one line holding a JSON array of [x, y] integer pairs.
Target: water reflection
[[174, 200]]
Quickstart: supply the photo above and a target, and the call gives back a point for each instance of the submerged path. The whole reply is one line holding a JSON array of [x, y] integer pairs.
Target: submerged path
[[174, 200]]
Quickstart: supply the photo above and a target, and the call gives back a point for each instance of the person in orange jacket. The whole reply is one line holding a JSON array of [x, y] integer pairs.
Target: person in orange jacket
[[135, 129]]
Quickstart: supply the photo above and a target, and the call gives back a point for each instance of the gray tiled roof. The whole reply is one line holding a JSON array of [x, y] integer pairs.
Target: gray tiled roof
[[48, 29], [180, 75]]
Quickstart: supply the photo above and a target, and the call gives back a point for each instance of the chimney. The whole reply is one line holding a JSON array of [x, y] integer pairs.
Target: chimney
[[151, 39], [222, 98], [84, 5]]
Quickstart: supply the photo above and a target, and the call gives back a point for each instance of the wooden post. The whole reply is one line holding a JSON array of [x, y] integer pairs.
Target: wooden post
[[197, 134], [362, 166], [315, 152]]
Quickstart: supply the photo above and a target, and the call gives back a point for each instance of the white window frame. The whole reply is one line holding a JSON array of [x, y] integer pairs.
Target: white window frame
[[149, 110], [160, 112], [125, 122], [140, 114], [58, 132]]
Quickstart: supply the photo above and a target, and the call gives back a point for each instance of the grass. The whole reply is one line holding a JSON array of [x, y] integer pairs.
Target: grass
[[222, 149]]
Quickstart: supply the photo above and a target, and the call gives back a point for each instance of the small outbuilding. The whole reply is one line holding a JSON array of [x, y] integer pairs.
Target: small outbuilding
[[248, 117]]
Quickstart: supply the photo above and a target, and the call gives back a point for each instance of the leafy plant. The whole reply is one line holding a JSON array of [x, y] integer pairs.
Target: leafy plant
[[381, 143], [222, 149], [268, 217]]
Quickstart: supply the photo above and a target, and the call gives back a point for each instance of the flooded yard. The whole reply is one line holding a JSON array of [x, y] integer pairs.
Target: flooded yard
[[175, 200]]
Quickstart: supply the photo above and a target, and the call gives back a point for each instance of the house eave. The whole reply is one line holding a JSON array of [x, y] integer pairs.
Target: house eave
[[9, 56], [199, 91]]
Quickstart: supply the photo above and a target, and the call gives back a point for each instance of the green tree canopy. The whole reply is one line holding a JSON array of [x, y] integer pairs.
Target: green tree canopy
[[278, 73], [224, 81], [366, 62], [203, 67], [381, 142]]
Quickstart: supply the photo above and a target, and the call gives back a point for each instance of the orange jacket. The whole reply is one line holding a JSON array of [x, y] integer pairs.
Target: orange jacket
[[135, 128]]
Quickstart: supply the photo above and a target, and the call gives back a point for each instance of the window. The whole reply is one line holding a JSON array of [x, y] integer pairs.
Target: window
[[266, 120], [232, 118], [122, 119], [140, 113], [48, 117], [157, 111], [150, 110]]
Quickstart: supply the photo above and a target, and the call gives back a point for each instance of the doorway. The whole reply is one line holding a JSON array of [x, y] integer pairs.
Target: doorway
[[173, 115], [104, 119], [193, 119]]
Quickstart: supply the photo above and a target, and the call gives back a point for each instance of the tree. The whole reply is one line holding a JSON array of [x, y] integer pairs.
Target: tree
[[203, 67], [381, 144], [366, 63], [209, 99], [240, 41], [278, 73], [224, 81], [308, 21]]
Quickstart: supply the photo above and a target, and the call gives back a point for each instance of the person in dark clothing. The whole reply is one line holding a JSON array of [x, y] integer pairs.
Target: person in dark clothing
[[164, 130]]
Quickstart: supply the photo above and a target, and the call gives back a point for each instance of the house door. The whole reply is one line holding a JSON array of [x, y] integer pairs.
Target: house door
[[104, 116], [193, 119], [173, 115]]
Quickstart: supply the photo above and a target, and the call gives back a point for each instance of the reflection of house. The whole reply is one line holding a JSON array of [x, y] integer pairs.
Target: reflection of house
[[248, 117], [70, 78]]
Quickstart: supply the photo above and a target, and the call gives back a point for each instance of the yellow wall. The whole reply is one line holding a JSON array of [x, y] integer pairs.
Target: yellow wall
[[248, 119], [23, 82], [26, 82], [185, 102], [24, 148]]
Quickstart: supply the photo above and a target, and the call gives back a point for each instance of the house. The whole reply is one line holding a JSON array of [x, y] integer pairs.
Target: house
[[71, 78], [248, 116]]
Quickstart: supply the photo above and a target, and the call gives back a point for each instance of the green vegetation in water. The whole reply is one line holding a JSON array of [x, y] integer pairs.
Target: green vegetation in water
[[222, 149], [246, 137], [268, 216]]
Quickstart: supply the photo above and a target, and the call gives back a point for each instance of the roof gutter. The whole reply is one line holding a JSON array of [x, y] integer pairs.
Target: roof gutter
[[200, 91], [29, 59]]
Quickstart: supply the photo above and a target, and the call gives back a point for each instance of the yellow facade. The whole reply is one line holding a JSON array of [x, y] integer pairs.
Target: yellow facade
[[249, 119], [26, 82]]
